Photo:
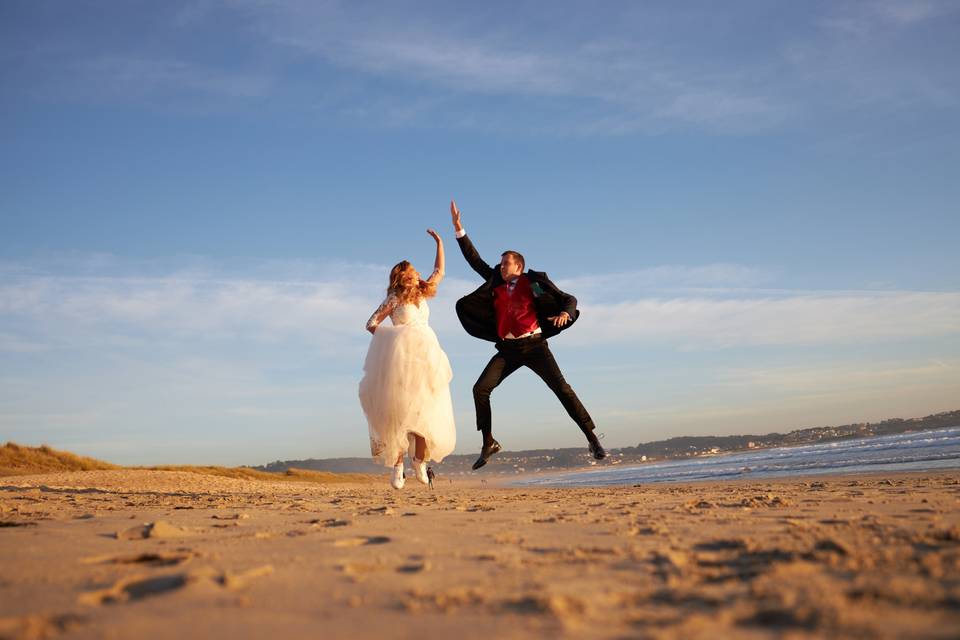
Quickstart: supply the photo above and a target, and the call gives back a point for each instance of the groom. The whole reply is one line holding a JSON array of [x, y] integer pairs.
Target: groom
[[517, 311]]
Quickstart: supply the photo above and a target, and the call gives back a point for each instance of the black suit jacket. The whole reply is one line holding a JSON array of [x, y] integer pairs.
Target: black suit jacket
[[476, 310]]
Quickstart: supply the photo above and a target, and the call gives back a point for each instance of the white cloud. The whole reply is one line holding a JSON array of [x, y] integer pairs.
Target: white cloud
[[687, 307], [616, 287], [324, 306], [806, 319]]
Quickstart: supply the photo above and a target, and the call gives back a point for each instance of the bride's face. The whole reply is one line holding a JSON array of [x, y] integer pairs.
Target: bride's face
[[410, 278]]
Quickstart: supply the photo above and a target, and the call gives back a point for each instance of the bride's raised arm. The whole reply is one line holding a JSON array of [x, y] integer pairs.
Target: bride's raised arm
[[438, 264]]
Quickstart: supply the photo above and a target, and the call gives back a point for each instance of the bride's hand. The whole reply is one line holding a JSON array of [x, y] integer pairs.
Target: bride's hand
[[434, 235]]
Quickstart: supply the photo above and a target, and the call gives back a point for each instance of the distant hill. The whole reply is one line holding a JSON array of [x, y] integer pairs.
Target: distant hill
[[534, 460]]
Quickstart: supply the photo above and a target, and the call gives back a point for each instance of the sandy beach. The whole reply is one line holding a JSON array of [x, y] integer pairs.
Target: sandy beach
[[166, 554]]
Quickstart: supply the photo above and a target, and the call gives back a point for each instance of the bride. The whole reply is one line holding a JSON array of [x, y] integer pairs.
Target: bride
[[405, 390]]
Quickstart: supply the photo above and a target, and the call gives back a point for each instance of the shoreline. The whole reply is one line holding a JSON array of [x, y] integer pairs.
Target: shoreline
[[798, 476], [76, 480], [861, 467]]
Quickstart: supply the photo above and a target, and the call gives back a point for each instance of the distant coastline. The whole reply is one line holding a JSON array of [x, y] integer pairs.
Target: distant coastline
[[550, 460]]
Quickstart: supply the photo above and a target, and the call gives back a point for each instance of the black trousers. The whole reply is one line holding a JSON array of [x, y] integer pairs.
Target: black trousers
[[534, 354]]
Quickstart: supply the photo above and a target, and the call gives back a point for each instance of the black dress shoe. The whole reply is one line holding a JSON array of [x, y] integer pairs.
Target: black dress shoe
[[485, 453], [596, 450]]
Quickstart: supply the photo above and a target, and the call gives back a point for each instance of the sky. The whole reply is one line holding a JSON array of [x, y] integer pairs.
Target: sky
[[755, 203]]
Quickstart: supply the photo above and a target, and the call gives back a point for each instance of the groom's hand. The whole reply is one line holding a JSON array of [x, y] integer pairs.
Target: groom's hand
[[455, 216], [560, 320]]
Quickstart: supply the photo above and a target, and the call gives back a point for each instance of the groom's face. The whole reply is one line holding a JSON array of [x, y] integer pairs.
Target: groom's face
[[510, 267]]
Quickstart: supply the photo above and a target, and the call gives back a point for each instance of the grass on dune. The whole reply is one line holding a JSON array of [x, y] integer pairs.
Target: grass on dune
[[18, 460], [291, 475]]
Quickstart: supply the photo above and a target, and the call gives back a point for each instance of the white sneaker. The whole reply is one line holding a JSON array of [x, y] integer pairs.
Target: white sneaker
[[399, 477], [420, 469]]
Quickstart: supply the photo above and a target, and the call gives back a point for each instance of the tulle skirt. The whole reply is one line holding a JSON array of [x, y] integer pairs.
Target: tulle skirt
[[405, 390]]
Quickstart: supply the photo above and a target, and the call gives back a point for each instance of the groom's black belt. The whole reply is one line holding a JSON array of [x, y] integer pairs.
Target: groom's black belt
[[531, 334], [520, 342]]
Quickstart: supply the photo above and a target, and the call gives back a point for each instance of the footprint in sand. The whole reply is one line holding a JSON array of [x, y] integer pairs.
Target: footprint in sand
[[723, 544], [134, 588], [360, 541], [160, 559], [832, 546], [413, 567], [138, 587]]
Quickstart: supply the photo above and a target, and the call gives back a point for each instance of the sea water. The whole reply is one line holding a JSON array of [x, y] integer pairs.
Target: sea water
[[916, 451]]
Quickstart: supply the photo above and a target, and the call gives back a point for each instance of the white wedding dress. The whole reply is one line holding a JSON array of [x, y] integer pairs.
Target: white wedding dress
[[405, 389]]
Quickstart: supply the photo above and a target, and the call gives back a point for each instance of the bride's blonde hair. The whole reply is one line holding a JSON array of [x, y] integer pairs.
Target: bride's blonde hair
[[409, 295]]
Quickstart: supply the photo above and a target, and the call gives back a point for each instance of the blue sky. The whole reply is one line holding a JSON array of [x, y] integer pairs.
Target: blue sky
[[755, 203]]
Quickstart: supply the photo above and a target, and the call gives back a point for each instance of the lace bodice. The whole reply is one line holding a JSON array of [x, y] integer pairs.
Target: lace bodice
[[399, 314]]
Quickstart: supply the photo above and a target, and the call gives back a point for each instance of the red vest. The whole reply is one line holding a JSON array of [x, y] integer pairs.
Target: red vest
[[515, 311]]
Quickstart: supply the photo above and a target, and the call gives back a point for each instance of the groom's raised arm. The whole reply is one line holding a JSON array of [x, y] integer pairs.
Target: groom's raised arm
[[469, 252]]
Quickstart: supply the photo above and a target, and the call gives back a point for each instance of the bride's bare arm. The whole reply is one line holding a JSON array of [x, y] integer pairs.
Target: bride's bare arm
[[384, 310], [439, 264]]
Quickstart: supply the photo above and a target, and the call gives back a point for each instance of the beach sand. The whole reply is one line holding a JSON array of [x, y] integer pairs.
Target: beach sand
[[155, 554]]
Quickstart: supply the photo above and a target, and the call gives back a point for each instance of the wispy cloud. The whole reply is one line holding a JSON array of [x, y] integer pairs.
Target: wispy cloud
[[321, 305], [806, 319], [143, 77], [863, 18], [620, 75], [632, 87], [628, 285], [623, 69], [688, 307]]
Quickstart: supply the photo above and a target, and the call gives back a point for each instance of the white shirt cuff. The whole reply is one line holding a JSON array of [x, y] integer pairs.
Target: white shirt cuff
[[461, 233]]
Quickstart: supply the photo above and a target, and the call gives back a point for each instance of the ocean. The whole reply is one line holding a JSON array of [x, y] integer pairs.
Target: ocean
[[917, 451]]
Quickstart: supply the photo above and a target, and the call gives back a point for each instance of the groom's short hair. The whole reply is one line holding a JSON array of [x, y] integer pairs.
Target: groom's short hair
[[516, 256]]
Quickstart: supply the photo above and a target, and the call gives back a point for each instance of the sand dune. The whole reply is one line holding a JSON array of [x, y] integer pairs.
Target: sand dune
[[139, 553], [17, 459]]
